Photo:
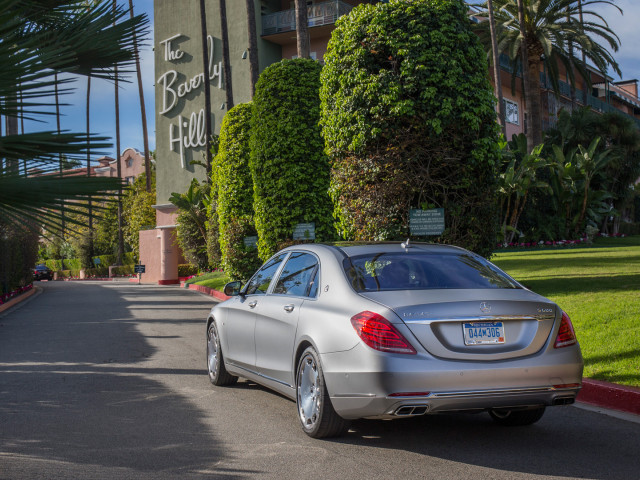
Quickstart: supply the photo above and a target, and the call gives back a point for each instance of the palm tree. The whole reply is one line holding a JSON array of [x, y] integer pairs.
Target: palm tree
[[302, 29], [226, 60], [39, 41], [254, 68], [143, 113], [495, 57], [207, 81], [120, 251], [538, 31]]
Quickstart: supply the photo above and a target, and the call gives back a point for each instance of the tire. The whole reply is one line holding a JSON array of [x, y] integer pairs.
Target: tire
[[218, 374], [315, 411], [516, 418]]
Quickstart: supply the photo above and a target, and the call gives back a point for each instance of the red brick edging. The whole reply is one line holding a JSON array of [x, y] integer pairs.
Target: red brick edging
[[609, 395]]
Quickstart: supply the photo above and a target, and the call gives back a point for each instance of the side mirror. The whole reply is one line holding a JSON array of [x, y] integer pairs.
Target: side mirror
[[232, 289]]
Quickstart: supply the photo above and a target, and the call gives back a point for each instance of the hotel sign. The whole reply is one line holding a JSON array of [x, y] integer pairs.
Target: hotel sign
[[190, 129]]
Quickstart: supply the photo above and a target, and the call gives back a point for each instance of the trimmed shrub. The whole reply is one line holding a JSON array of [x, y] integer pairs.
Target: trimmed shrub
[[288, 165], [409, 122], [123, 270], [186, 270], [18, 255], [235, 194]]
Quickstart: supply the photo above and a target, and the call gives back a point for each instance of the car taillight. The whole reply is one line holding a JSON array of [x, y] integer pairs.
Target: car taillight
[[566, 334], [377, 332]]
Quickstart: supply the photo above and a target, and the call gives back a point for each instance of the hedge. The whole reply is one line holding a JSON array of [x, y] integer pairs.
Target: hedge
[[186, 270], [409, 122], [235, 194], [288, 165]]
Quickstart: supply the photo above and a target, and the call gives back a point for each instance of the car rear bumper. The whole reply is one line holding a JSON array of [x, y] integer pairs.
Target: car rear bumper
[[366, 384]]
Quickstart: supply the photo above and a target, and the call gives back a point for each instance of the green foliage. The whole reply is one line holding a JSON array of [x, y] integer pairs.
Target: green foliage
[[39, 40], [408, 120], [186, 270], [137, 208], [289, 168], [235, 194], [191, 233], [18, 254]]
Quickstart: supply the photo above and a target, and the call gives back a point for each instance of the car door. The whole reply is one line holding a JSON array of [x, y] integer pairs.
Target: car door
[[277, 317], [240, 324]]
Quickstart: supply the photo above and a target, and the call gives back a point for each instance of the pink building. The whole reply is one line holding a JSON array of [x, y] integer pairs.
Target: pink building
[[131, 165]]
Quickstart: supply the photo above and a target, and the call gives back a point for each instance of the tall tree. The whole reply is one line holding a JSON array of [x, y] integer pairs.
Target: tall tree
[[495, 54], [226, 59], [120, 248], [254, 67], [538, 32], [302, 29], [143, 112], [207, 81]]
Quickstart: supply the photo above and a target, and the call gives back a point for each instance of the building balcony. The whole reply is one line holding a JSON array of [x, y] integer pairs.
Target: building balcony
[[318, 15]]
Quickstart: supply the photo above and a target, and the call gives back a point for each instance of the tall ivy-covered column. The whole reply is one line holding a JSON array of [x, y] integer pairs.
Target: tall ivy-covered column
[[289, 168], [409, 122]]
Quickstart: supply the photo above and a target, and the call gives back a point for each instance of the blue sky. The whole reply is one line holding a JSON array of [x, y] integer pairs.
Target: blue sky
[[102, 103]]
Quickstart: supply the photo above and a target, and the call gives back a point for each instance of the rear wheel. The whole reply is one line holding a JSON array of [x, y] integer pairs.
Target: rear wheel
[[316, 413], [514, 418], [218, 374]]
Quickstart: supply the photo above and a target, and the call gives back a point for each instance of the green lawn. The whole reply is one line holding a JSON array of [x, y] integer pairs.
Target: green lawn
[[215, 280], [599, 287]]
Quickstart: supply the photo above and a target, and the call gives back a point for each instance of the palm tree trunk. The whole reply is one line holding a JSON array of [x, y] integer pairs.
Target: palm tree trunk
[[207, 83], [496, 69], [254, 67], [572, 79], [89, 166], [226, 60], [60, 157], [145, 135], [584, 61], [302, 29], [525, 74], [120, 252]]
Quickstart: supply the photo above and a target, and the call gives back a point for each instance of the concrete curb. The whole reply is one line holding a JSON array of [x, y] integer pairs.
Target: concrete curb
[[610, 395]]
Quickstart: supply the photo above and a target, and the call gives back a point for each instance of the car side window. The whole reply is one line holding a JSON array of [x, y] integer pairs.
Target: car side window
[[297, 277], [259, 283]]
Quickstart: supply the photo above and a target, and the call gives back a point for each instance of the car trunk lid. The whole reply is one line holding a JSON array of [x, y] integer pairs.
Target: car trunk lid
[[487, 324]]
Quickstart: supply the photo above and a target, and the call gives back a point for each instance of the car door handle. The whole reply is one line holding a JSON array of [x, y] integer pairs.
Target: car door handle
[[288, 308], [253, 304]]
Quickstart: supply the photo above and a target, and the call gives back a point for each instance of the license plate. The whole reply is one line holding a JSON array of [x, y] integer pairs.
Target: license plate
[[482, 333]]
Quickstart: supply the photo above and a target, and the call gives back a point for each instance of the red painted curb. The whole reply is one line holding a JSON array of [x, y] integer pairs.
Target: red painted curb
[[208, 291], [609, 395]]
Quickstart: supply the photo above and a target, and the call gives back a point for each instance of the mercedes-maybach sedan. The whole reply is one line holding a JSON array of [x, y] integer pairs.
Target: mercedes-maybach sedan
[[394, 330]]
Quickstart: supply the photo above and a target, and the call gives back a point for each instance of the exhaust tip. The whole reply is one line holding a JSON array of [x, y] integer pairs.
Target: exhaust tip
[[564, 401], [411, 410]]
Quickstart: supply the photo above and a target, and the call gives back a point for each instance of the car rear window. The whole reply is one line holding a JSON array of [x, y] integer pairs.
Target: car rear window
[[419, 271]]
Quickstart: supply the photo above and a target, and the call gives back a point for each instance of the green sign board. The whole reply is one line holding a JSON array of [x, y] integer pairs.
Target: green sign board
[[304, 231], [251, 242], [426, 222]]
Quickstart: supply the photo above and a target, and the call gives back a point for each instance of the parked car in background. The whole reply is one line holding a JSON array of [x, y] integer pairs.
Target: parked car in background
[[386, 331], [42, 272]]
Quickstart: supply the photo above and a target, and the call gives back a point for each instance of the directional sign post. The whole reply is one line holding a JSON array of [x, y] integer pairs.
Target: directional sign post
[[139, 269]]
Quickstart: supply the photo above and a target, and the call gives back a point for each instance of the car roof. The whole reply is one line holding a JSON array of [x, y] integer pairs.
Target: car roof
[[354, 249]]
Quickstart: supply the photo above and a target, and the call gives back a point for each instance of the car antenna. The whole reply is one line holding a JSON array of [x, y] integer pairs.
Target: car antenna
[[405, 245]]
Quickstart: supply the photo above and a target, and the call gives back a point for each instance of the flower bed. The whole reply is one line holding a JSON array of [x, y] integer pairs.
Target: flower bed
[[5, 297], [555, 243]]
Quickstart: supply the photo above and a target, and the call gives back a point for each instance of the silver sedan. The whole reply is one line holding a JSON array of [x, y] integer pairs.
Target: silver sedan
[[393, 330]]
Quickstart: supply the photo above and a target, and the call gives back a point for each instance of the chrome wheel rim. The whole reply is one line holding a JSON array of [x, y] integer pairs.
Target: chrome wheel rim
[[309, 392], [212, 350]]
